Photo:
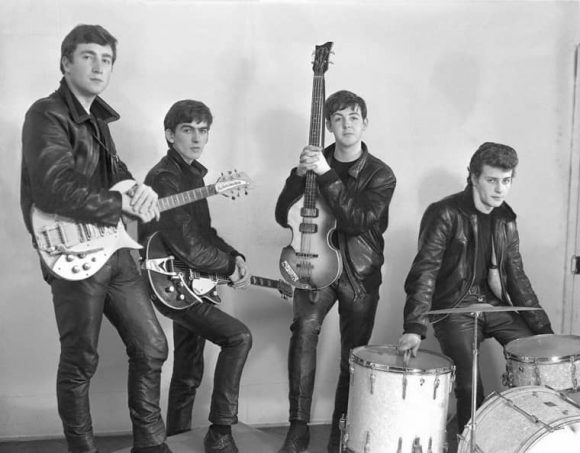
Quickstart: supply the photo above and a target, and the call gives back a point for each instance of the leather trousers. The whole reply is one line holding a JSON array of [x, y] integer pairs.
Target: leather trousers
[[455, 335], [118, 292], [191, 328], [356, 324]]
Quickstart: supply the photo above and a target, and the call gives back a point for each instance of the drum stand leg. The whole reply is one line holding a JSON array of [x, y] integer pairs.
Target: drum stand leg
[[472, 442]]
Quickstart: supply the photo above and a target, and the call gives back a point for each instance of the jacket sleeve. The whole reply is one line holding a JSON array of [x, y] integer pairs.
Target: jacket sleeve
[[291, 192], [55, 184], [519, 287], [434, 233], [202, 250], [358, 210]]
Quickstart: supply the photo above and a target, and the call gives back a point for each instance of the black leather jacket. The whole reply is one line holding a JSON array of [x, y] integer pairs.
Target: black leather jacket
[[187, 230], [361, 209], [443, 269], [61, 152]]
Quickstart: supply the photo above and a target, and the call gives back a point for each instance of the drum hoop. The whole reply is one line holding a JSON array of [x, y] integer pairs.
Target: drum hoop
[[530, 359], [397, 369]]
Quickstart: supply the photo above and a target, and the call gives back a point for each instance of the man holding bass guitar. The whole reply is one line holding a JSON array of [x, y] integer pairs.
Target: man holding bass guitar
[[357, 188], [187, 232], [69, 163]]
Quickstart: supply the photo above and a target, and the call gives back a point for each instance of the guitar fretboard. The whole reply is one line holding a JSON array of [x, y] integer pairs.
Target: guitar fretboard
[[183, 198], [316, 136]]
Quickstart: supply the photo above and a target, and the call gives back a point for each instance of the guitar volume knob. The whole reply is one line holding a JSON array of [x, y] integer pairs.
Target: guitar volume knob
[[76, 269], [181, 297], [86, 266], [170, 289], [69, 258]]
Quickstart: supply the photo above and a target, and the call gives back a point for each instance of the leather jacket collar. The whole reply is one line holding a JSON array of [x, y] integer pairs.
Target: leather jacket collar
[[195, 166], [99, 108], [358, 165], [467, 207]]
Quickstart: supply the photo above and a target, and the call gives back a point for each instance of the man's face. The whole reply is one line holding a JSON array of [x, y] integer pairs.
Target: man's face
[[189, 139], [89, 69], [491, 187], [347, 126]]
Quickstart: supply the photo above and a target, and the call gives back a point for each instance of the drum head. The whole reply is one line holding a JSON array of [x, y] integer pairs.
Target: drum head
[[549, 347], [388, 358]]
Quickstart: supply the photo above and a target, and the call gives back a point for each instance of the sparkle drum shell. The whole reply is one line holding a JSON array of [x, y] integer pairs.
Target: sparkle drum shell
[[530, 419], [552, 360], [393, 407]]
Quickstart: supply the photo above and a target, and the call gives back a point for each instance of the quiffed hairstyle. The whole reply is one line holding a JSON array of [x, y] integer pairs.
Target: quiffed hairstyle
[[494, 155], [187, 111], [342, 100], [86, 34]]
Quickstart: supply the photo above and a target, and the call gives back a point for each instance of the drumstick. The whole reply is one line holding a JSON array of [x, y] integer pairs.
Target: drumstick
[[406, 357]]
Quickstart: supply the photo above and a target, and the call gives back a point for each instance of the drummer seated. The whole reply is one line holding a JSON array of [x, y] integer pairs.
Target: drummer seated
[[469, 254]]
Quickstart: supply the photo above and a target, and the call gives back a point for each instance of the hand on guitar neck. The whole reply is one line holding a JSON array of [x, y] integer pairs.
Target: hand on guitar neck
[[141, 202], [311, 158], [241, 277]]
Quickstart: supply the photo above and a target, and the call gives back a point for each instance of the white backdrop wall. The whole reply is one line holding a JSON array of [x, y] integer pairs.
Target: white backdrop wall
[[439, 77]]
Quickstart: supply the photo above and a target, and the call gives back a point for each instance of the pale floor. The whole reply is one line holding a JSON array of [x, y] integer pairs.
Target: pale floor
[[318, 439]]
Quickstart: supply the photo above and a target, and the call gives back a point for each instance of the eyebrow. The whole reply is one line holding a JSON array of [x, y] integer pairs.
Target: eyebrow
[[92, 52]]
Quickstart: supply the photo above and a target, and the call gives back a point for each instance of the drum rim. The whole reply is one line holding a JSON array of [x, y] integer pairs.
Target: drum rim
[[397, 369], [531, 359]]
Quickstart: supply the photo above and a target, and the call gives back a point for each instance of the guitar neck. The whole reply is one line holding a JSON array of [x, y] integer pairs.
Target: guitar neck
[[263, 281], [183, 198], [223, 280], [316, 135]]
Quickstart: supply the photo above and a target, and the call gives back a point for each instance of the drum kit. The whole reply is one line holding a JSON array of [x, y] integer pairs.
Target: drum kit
[[398, 404]]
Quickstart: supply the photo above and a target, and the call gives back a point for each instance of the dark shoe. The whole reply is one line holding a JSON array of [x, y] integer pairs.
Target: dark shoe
[[215, 442], [163, 448], [297, 439]]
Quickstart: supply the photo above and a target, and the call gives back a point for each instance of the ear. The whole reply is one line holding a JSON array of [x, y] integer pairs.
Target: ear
[[65, 63], [365, 124], [328, 128], [169, 135]]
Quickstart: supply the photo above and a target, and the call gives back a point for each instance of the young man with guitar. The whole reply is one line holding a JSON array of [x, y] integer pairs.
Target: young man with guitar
[[187, 232], [69, 162], [355, 190]]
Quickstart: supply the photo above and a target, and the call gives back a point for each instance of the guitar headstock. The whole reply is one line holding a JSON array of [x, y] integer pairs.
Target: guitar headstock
[[286, 289], [233, 184], [321, 58]]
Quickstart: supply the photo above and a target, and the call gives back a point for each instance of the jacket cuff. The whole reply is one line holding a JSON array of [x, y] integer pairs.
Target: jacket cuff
[[327, 178], [546, 329], [416, 328]]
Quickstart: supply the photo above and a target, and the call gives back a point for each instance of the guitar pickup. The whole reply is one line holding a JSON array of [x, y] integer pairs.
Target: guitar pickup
[[309, 228], [307, 255], [309, 212]]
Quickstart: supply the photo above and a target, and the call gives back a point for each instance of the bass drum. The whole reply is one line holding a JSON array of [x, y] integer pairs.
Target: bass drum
[[528, 419], [552, 360], [393, 407]]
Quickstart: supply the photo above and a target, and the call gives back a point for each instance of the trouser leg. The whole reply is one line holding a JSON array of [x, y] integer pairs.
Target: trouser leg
[[310, 309], [130, 311], [200, 322], [357, 320]]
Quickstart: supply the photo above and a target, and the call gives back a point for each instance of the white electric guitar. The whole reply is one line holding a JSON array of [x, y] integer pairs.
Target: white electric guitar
[[75, 251]]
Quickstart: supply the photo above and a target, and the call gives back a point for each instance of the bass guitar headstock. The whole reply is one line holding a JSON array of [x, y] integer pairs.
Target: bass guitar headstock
[[322, 58]]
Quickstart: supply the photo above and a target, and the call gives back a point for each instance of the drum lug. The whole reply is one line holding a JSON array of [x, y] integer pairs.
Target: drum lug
[[573, 373], [367, 448], [400, 445], [537, 373], [372, 378], [435, 386], [417, 448], [343, 434], [405, 384]]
